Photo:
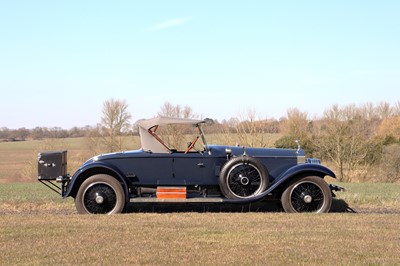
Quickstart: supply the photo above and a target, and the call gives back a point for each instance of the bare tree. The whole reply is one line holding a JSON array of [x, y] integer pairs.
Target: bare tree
[[296, 124], [296, 127], [390, 127], [173, 135], [370, 111], [390, 163], [384, 110], [177, 111], [115, 121], [346, 138], [396, 109], [250, 130]]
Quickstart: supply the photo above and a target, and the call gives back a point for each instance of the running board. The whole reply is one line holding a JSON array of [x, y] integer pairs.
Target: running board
[[190, 200]]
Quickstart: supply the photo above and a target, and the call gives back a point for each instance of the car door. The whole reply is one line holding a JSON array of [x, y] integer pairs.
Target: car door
[[152, 169], [193, 168]]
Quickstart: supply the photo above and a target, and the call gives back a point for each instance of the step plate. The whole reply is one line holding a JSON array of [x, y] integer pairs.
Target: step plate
[[191, 200], [171, 193]]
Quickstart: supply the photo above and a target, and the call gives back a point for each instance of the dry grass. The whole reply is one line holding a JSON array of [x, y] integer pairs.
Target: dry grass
[[38, 228], [200, 239], [18, 160]]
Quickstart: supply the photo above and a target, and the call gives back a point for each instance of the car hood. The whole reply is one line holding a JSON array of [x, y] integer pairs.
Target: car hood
[[215, 150], [255, 152]]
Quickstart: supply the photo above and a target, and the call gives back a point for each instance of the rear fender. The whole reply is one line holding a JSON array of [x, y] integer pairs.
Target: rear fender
[[91, 169]]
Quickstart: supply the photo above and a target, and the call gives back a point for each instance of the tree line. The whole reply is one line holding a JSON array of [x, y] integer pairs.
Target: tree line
[[36, 133], [361, 142]]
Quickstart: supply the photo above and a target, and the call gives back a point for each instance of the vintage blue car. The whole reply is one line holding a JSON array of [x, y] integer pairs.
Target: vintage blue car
[[199, 173]]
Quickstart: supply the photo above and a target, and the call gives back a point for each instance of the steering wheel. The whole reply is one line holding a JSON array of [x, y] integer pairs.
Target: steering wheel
[[191, 144]]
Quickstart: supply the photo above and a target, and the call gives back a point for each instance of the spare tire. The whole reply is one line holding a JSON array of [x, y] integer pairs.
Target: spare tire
[[243, 178]]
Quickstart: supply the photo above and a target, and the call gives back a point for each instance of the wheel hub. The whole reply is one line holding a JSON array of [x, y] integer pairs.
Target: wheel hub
[[307, 199], [244, 180], [99, 198]]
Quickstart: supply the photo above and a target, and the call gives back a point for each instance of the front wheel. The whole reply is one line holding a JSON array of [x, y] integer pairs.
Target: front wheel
[[308, 194], [100, 194]]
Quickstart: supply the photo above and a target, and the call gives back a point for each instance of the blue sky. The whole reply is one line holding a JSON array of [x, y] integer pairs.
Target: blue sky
[[60, 60]]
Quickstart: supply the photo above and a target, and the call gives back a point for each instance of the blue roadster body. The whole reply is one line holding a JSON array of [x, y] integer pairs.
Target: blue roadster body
[[197, 173]]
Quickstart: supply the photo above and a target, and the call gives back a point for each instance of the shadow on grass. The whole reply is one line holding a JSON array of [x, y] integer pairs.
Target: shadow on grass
[[338, 206], [341, 206]]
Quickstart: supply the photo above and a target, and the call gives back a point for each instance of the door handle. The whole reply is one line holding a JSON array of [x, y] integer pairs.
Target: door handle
[[201, 165]]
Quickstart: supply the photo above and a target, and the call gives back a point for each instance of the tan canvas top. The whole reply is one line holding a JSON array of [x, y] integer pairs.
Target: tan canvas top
[[149, 142]]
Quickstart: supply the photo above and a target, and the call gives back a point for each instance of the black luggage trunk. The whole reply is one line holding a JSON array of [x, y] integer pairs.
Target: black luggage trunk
[[52, 165]]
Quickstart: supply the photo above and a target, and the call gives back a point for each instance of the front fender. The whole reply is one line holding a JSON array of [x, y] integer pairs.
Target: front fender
[[315, 169], [92, 169], [309, 169]]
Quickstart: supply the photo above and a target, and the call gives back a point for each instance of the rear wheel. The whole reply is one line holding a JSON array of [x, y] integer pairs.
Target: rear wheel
[[100, 194], [308, 194]]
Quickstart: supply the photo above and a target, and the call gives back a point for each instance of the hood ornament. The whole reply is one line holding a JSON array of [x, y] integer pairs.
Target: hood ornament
[[298, 146]]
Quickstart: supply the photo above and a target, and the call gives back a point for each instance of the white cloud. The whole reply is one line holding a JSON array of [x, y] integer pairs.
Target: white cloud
[[170, 23]]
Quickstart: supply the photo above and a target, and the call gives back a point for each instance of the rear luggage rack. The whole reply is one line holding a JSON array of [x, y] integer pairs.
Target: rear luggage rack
[[64, 180], [51, 185], [52, 167]]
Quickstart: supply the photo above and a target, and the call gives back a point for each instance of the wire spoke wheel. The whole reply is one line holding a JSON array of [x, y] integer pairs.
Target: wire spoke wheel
[[100, 194], [309, 194], [243, 177], [244, 180], [307, 197], [99, 198]]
